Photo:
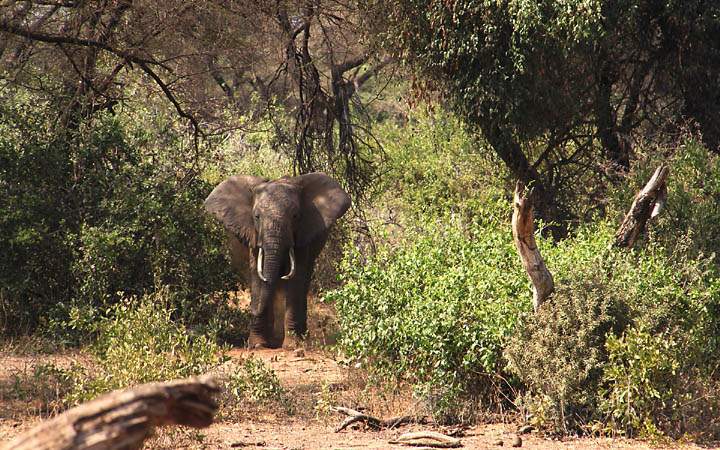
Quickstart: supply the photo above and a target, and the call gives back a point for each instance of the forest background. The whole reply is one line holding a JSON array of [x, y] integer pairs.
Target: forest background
[[118, 117]]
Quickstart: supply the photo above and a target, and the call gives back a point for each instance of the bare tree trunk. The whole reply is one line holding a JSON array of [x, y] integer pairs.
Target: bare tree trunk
[[647, 204], [523, 235], [124, 419]]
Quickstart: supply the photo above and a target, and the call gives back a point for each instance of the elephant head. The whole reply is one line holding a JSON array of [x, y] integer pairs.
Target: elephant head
[[275, 219]]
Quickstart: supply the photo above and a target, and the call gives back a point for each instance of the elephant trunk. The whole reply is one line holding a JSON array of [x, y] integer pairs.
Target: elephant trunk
[[267, 265]]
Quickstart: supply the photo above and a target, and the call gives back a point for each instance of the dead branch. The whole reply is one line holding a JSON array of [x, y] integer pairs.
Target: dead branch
[[370, 421], [524, 237], [8, 27], [647, 204], [124, 419], [427, 439]]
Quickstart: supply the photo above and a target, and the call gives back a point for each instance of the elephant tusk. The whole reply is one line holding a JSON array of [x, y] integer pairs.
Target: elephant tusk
[[292, 265], [260, 265]]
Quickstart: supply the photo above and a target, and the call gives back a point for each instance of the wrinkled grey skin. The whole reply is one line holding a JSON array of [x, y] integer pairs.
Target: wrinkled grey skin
[[277, 216]]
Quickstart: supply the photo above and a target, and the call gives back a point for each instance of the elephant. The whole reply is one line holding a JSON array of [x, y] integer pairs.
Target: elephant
[[277, 229]]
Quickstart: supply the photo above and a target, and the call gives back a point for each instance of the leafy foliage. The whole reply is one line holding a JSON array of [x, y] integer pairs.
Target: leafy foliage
[[562, 91], [560, 352], [434, 306], [138, 343], [87, 220], [255, 382], [432, 312], [606, 349], [641, 373]]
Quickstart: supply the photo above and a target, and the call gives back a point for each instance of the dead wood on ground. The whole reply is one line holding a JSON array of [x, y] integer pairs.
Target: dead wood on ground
[[428, 439], [124, 419], [370, 421]]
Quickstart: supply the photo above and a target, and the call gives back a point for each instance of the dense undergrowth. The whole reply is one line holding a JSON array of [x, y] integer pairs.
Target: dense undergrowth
[[627, 344], [106, 244]]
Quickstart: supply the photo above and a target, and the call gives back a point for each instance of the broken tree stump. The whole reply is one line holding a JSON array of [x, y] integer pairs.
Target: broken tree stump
[[523, 229], [647, 204], [124, 419]]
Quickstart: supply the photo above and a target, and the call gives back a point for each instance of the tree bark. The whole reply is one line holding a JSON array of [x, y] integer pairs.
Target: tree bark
[[507, 148], [617, 150], [523, 235], [124, 419], [647, 204]]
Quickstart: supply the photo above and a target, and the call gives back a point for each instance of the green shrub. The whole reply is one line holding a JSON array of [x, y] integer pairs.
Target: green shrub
[[435, 311], [559, 352], [255, 382], [43, 388], [621, 335], [433, 165], [253, 386], [89, 217], [137, 342], [35, 188], [639, 378]]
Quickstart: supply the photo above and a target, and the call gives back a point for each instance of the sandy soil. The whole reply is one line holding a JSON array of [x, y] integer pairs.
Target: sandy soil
[[266, 430]]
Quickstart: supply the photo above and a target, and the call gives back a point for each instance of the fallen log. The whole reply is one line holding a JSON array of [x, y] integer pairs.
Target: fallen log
[[523, 228], [647, 204], [124, 419], [427, 439], [370, 421]]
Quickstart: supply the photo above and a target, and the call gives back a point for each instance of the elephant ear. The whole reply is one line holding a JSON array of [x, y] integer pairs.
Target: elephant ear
[[323, 201], [232, 201]]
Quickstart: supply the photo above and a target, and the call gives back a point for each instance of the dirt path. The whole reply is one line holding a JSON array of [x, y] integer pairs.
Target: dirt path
[[308, 372], [298, 373]]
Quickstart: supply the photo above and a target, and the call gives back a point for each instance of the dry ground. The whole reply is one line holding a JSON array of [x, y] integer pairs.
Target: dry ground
[[312, 378]]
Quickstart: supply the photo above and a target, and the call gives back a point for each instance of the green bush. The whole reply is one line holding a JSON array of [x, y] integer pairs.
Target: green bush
[[255, 382], [640, 378], [623, 332], [137, 342], [433, 164], [559, 352], [435, 311], [35, 193], [91, 216]]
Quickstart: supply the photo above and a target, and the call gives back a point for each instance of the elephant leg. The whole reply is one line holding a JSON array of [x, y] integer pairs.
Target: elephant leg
[[260, 325], [296, 294], [262, 316], [296, 301]]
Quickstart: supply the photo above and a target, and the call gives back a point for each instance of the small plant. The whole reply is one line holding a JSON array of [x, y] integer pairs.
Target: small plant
[[255, 382], [138, 342], [45, 387], [326, 399], [640, 380], [253, 385]]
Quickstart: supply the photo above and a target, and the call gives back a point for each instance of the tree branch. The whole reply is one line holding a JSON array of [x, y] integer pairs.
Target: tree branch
[[8, 27], [170, 96]]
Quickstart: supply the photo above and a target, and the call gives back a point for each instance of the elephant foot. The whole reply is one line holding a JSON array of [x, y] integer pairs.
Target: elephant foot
[[257, 342], [292, 342]]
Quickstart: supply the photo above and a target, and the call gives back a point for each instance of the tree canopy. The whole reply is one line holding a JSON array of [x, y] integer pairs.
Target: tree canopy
[[563, 89]]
